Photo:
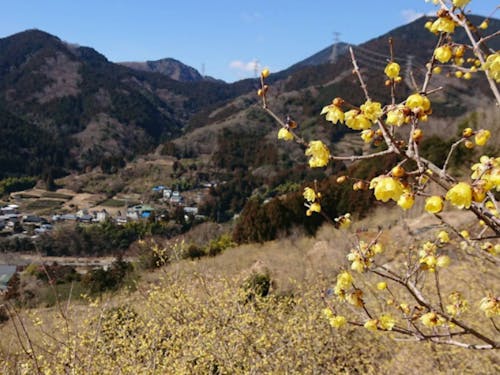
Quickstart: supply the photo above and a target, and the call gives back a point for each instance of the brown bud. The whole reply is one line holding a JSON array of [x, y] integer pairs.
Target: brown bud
[[341, 179], [338, 102]]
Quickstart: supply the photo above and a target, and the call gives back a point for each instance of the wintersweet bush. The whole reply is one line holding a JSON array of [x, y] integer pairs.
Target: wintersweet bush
[[414, 299]]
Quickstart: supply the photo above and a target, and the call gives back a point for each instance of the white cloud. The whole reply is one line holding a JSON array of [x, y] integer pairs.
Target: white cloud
[[244, 67], [410, 15]]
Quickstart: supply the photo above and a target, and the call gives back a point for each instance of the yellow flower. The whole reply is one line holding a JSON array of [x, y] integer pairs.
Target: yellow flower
[[387, 188], [484, 25], [372, 110], [443, 261], [406, 201], [371, 324], [285, 134], [355, 298], [443, 54], [338, 321], [482, 137], [367, 135], [405, 309], [434, 204], [460, 3], [319, 154], [265, 73], [432, 319], [460, 195], [344, 221], [490, 305], [309, 194], [344, 280], [328, 313], [395, 117], [382, 285], [387, 322], [357, 121], [333, 113], [392, 70], [444, 25], [315, 207], [492, 66], [377, 248], [443, 237], [465, 234], [417, 102]]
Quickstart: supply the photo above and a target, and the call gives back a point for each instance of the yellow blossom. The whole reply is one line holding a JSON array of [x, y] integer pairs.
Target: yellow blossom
[[367, 135], [417, 102], [333, 113], [406, 201], [309, 194], [386, 188], [434, 204], [372, 110], [443, 237], [328, 313], [460, 195], [492, 66], [490, 305], [465, 234], [382, 285], [387, 322], [344, 221], [443, 54], [460, 3], [371, 324], [405, 309], [484, 25], [395, 117], [344, 280], [482, 137], [265, 73], [432, 319], [337, 321], [319, 154], [285, 134], [444, 25], [443, 261], [315, 207], [392, 70], [355, 298], [357, 121]]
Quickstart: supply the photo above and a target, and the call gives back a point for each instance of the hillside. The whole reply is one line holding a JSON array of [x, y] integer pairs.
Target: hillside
[[87, 108], [171, 68]]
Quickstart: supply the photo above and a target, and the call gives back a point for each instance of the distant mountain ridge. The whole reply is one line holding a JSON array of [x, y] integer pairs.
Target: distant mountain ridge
[[66, 108], [169, 67]]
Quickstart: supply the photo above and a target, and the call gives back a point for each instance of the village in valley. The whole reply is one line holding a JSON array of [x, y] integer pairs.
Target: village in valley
[[20, 218]]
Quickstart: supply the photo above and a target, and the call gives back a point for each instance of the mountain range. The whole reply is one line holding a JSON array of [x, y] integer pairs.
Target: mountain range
[[67, 108]]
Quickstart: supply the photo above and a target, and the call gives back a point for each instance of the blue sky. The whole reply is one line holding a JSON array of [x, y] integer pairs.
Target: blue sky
[[223, 36]]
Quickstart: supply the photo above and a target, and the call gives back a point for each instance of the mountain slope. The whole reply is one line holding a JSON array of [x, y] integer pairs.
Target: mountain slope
[[96, 109], [171, 68]]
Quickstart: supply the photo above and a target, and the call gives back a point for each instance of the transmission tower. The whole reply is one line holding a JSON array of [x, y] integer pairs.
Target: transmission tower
[[256, 68], [335, 52]]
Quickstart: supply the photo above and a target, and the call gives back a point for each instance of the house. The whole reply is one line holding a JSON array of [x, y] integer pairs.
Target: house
[[6, 273], [191, 210], [101, 216], [167, 193], [158, 189], [142, 211]]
